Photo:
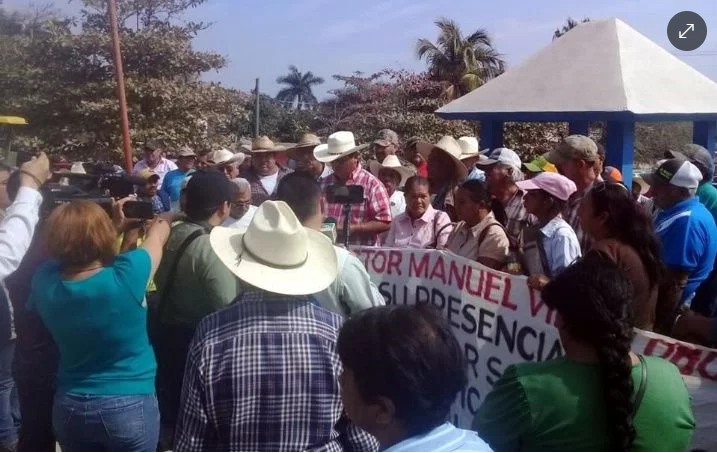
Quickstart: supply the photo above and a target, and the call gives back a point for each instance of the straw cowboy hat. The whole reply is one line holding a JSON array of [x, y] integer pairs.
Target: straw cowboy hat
[[306, 141], [338, 145], [391, 162], [644, 186], [223, 156], [276, 253], [469, 147], [449, 146], [263, 144]]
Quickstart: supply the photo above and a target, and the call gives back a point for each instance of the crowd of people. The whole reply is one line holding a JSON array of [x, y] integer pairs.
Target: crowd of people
[[230, 320]]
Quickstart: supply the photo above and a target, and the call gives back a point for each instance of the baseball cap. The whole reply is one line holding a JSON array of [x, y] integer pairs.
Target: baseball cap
[[612, 174], [676, 172], [504, 156], [207, 190], [696, 154], [149, 175], [386, 137], [151, 145], [574, 147], [555, 184], [186, 152], [539, 165]]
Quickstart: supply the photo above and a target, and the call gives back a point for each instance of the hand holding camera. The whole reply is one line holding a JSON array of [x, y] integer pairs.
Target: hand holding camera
[[35, 172]]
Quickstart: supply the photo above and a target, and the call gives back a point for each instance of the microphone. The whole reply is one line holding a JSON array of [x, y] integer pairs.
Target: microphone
[[328, 229]]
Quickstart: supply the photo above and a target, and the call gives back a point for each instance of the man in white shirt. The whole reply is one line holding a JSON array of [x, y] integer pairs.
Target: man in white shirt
[[18, 226], [265, 173], [242, 210], [154, 161], [352, 291]]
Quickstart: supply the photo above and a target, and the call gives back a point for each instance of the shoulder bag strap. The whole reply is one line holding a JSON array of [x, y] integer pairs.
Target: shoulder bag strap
[[643, 385], [163, 296], [484, 233], [543, 256]]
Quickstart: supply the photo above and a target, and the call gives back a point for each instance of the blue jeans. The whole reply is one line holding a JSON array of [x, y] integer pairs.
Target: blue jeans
[[8, 398], [106, 423]]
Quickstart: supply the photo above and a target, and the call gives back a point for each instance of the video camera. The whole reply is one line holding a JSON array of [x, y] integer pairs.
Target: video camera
[[347, 196], [102, 184]]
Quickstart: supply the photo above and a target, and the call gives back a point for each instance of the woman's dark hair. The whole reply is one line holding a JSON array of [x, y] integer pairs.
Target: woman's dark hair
[[415, 181], [479, 194], [629, 223], [594, 300], [408, 354]]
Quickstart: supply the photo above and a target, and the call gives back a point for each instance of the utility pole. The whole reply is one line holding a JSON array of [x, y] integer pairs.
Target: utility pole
[[119, 76], [256, 110]]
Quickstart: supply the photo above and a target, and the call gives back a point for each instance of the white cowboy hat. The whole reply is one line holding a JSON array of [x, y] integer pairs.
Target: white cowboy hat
[[469, 147], [338, 145], [391, 161], [223, 156], [276, 253], [449, 146], [263, 144], [78, 168]]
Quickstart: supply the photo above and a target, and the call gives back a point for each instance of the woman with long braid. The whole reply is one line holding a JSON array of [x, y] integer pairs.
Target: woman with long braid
[[599, 396]]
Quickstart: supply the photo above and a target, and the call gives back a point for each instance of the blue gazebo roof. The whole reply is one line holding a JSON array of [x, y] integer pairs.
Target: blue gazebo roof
[[599, 71]]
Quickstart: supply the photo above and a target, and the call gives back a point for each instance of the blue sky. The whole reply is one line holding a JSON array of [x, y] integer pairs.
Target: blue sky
[[261, 38]]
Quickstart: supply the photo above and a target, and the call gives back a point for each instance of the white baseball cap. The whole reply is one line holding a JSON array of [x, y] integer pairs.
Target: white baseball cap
[[675, 172], [504, 156]]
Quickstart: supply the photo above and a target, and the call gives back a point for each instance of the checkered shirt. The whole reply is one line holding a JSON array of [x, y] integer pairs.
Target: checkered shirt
[[258, 192], [517, 217], [376, 205], [263, 374], [571, 215]]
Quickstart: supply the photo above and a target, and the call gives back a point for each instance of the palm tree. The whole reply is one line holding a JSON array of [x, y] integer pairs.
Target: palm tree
[[464, 63], [569, 25], [299, 87]]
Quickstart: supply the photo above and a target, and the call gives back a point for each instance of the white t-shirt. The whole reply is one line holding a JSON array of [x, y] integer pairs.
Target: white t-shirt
[[269, 182], [242, 223]]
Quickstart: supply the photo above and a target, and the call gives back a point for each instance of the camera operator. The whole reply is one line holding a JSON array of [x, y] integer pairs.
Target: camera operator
[[373, 216], [21, 217]]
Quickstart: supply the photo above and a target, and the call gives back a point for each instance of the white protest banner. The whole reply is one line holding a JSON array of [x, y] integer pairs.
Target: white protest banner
[[500, 321]]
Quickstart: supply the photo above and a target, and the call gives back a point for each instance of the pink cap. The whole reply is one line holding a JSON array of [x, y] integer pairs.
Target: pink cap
[[555, 184]]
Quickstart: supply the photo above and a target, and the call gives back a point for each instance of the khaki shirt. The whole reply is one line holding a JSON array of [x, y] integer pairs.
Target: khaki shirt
[[463, 241]]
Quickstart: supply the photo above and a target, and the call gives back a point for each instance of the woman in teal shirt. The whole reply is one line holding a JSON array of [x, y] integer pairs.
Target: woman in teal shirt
[[599, 396], [92, 302]]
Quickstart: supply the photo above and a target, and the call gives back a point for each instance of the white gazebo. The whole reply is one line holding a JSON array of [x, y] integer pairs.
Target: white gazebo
[[599, 71]]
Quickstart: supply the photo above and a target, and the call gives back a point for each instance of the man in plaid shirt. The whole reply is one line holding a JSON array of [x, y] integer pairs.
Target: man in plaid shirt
[[502, 171], [368, 219], [262, 374]]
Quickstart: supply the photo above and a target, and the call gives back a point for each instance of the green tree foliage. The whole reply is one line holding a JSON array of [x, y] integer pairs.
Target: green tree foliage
[[62, 81], [570, 23], [462, 63], [398, 100], [299, 87]]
